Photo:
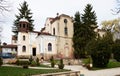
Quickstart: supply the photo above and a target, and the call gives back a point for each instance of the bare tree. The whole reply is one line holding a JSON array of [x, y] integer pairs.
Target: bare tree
[[4, 5], [116, 10]]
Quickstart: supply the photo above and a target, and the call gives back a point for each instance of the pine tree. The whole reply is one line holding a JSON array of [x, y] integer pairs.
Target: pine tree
[[89, 21], [24, 12], [76, 36], [79, 37], [83, 31]]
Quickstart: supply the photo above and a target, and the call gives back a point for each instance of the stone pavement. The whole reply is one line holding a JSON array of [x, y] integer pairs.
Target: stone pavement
[[86, 72]]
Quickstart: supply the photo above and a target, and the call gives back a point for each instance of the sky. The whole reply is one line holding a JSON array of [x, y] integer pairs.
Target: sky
[[42, 9]]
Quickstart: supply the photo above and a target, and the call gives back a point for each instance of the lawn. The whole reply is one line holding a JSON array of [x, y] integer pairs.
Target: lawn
[[15, 71], [112, 64]]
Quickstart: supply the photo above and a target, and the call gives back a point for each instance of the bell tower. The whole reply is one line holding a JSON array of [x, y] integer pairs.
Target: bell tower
[[23, 25]]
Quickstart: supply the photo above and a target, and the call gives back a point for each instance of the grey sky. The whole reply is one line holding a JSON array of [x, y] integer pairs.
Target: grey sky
[[42, 9]]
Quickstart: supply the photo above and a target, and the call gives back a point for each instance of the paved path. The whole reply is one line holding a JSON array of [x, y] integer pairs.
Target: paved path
[[84, 71], [29, 67], [105, 72]]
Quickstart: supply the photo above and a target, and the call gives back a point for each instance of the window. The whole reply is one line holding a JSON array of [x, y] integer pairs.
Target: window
[[66, 31], [24, 48], [24, 38], [49, 47], [20, 25], [65, 21], [27, 25], [23, 25], [53, 31]]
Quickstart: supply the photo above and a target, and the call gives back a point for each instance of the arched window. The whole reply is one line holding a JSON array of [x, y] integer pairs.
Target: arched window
[[24, 38], [53, 31], [65, 21], [66, 31], [24, 48], [49, 47]]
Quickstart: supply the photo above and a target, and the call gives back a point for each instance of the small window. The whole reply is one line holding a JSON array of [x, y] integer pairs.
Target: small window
[[20, 25], [15, 41], [24, 38], [24, 48], [53, 31], [27, 25], [23, 25], [65, 21], [49, 47], [66, 31]]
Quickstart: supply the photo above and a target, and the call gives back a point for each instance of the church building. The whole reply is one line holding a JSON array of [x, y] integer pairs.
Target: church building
[[54, 39]]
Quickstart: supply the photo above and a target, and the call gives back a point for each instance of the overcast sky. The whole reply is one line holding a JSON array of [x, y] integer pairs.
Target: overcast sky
[[42, 9]]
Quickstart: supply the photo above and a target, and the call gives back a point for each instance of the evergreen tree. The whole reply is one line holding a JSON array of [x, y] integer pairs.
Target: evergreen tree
[[89, 21], [76, 36], [79, 37], [24, 12], [83, 31], [100, 50]]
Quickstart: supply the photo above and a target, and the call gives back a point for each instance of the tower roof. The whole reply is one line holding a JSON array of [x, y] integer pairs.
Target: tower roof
[[23, 20]]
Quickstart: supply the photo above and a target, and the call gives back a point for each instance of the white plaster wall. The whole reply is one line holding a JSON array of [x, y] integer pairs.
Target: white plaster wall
[[43, 44], [8, 50], [21, 43]]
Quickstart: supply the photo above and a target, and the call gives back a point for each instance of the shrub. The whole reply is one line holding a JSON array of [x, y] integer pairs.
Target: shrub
[[100, 50], [18, 62], [25, 66], [33, 63], [52, 61], [37, 61], [100, 59], [1, 61], [30, 59], [61, 65], [116, 50]]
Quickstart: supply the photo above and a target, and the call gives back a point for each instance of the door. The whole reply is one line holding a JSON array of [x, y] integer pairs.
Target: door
[[34, 51]]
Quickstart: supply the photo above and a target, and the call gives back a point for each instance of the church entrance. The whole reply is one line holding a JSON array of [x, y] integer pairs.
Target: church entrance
[[34, 51]]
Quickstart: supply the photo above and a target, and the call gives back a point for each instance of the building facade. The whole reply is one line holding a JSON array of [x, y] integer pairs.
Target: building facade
[[55, 39]]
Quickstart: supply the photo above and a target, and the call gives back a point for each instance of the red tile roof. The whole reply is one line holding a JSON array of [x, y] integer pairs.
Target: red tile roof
[[58, 17], [44, 33], [36, 32], [42, 29], [9, 46]]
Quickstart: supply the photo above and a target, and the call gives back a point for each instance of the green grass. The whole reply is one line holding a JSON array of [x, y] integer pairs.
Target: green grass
[[112, 64], [86, 61], [15, 71]]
